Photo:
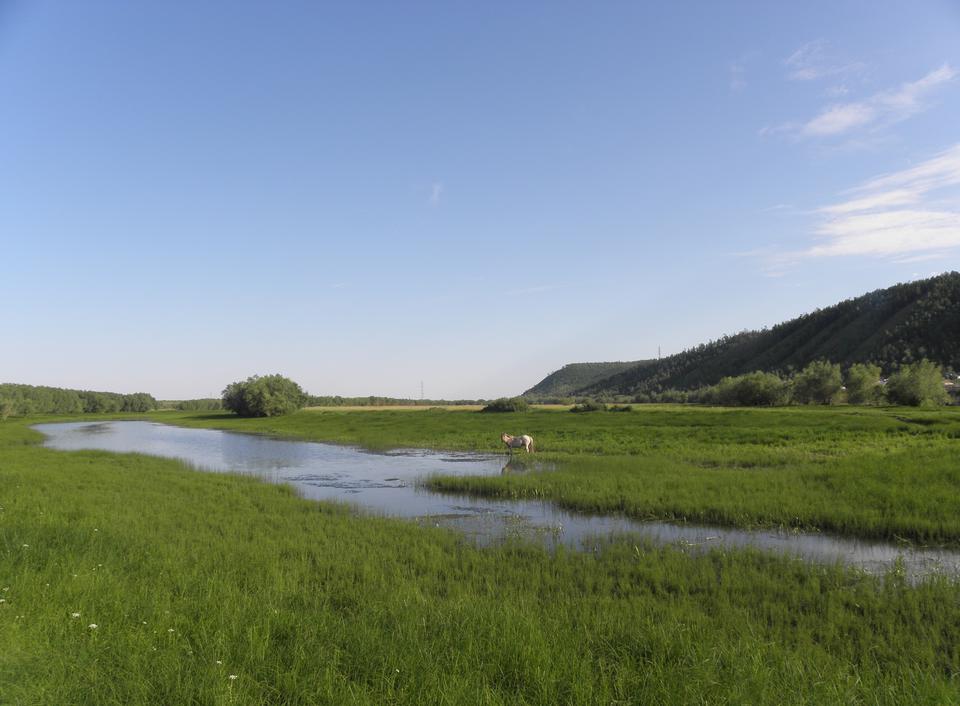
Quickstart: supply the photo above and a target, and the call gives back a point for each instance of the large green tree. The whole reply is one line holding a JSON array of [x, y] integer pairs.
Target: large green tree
[[756, 389], [263, 396], [918, 384], [863, 384], [818, 383]]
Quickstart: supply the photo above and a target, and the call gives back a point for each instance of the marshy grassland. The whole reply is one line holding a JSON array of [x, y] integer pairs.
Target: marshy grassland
[[887, 473], [127, 579]]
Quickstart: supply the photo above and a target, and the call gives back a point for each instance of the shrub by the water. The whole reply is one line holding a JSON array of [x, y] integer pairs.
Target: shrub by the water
[[507, 404], [267, 396], [918, 384], [589, 406], [751, 390], [818, 383], [863, 384]]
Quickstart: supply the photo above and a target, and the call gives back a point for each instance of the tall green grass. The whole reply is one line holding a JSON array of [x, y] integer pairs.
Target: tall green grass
[[888, 473], [191, 578]]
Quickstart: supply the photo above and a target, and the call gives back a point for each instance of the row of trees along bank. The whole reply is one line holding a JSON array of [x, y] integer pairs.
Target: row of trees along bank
[[821, 382], [23, 400]]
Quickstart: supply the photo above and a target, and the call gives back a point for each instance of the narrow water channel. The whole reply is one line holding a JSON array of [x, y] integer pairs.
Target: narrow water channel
[[387, 484]]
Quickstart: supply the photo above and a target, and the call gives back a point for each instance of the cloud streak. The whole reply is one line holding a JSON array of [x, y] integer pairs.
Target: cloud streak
[[909, 213], [810, 62], [879, 110]]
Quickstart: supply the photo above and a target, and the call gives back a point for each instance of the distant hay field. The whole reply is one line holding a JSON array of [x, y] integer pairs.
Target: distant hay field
[[417, 407], [395, 407]]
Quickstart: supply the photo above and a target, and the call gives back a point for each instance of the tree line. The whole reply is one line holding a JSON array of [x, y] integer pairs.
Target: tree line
[[822, 382], [22, 400], [917, 384]]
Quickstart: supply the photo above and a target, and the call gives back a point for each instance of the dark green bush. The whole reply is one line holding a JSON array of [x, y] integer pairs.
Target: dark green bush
[[267, 396], [507, 404], [756, 389], [818, 383], [589, 406], [918, 384], [863, 384]]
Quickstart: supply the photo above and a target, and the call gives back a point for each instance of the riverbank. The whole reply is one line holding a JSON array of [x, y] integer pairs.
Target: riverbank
[[880, 473], [192, 578]]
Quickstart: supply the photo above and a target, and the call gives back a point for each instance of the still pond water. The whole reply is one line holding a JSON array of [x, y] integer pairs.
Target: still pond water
[[387, 484]]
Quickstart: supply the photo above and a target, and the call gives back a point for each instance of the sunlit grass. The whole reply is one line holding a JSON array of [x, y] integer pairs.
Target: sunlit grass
[[194, 578], [872, 472]]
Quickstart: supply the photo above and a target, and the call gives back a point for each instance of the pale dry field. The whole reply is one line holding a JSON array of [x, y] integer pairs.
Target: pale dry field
[[418, 407]]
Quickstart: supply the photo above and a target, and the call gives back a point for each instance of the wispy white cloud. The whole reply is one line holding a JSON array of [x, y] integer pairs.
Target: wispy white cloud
[[836, 119], [812, 61], [907, 214], [436, 191], [877, 111]]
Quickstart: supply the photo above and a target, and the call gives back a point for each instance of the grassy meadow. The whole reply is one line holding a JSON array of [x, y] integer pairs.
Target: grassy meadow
[[127, 579], [886, 473]]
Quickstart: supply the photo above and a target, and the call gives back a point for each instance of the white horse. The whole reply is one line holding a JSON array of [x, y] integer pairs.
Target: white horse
[[515, 442]]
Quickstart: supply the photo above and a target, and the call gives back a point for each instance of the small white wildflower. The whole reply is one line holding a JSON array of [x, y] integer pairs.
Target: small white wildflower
[[25, 546], [96, 529], [92, 626], [3, 600], [74, 615], [170, 630], [6, 588], [219, 661], [144, 622], [232, 677]]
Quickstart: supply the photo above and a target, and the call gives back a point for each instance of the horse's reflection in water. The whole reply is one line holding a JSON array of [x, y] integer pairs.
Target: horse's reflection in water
[[516, 466], [519, 466]]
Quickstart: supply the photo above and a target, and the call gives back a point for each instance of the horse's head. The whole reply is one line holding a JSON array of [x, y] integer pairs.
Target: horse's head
[[505, 437]]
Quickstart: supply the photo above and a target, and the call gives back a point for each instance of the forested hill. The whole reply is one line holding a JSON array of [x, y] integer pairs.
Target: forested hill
[[889, 327], [575, 376]]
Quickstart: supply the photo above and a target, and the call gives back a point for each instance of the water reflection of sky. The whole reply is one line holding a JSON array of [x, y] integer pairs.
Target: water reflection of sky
[[386, 484]]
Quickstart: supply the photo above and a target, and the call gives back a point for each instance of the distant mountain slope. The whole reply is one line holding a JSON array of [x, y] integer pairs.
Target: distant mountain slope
[[576, 376], [901, 324]]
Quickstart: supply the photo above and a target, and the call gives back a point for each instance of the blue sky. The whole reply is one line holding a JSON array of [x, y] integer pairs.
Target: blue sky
[[365, 196]]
